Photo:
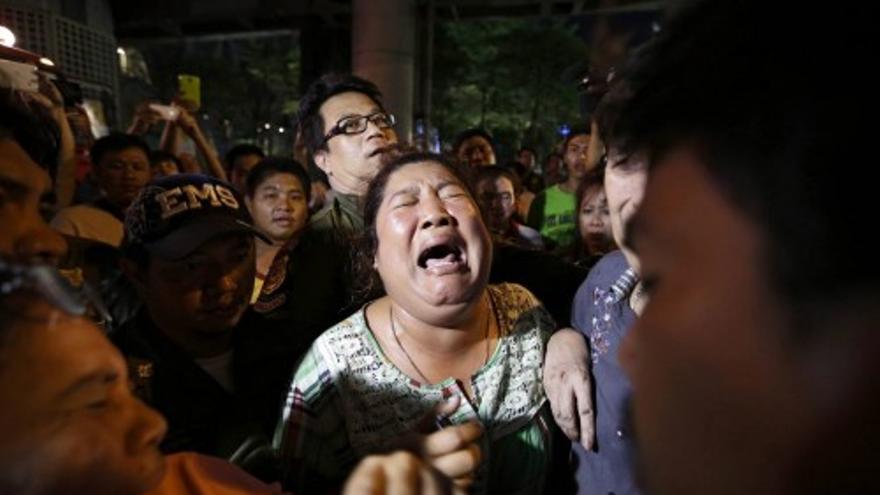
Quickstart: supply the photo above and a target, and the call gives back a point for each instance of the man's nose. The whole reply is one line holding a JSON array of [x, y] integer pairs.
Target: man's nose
[[41, 244]]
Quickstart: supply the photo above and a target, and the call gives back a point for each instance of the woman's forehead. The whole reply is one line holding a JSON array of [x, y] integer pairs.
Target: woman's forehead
[[421, 172]]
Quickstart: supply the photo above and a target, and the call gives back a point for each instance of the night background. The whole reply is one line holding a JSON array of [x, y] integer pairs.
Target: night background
[[514, 67]]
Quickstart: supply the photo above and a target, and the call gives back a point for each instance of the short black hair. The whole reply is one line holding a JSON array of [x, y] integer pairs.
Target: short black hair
[[575, 132], [494, 172], [608, 111], [466, 134], [783, 144], [240, 150], [35, 132], [277, 165], [158, 156], [309, 119], [117, 141]]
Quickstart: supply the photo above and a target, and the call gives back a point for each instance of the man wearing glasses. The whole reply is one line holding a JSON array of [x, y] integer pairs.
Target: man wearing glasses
[[346, 131]]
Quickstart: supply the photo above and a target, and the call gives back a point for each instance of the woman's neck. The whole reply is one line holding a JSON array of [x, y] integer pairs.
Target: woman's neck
[[430, 353], [445, 340]]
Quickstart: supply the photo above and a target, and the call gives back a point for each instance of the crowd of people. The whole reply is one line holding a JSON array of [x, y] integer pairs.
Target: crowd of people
[[689, 307]]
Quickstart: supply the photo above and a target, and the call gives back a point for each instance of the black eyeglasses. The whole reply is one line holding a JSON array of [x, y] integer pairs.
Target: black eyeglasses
[[356, 124]]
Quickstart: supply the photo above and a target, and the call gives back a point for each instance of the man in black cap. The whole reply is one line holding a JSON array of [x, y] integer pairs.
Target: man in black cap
[[189, 251]]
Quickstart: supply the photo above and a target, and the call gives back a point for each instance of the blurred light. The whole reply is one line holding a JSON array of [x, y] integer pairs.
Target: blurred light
[[655, 27], [267, 126], [280, 130], [7, 37], [120, 51], [47, 62], [564, 130]]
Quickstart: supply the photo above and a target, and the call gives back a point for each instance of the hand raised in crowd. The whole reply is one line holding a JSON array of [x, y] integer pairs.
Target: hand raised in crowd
[[399, 473], [568, 386], [187, 122], [143, 118], [453, 451], [48, 95]]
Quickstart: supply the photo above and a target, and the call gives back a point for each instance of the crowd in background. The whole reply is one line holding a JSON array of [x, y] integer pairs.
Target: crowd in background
[[679, 299]]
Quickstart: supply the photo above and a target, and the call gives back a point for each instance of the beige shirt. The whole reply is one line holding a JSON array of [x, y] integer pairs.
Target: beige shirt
[[88, 222]]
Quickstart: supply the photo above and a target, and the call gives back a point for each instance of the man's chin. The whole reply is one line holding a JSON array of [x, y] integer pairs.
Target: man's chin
[[154, 472], [219, 324]]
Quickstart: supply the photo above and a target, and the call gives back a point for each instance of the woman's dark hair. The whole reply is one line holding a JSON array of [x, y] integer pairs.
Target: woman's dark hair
[[274, 165], [368, 284]]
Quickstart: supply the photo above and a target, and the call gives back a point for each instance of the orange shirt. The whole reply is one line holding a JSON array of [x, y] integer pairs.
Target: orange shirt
[[196, 474]]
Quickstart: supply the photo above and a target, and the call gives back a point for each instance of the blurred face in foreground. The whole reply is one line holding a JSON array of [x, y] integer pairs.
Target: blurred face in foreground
[[69, 421], [718, 389], [24, 191]]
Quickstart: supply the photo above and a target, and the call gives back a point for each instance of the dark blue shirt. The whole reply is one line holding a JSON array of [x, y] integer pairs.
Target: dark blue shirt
[[602, 313]]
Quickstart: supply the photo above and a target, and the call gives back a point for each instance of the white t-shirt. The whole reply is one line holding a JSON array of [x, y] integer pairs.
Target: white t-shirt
[[220, 368]]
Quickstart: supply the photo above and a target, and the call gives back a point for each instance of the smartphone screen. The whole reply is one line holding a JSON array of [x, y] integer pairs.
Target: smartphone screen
[[189, 88]]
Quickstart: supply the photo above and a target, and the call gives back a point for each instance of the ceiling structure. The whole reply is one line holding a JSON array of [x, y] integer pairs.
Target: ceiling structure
[[199, 18]]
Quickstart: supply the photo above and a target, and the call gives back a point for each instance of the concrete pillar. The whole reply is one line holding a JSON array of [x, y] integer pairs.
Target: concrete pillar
[[383, 50]]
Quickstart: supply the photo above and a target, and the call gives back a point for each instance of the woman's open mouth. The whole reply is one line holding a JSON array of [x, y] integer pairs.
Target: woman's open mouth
[[442, 258]]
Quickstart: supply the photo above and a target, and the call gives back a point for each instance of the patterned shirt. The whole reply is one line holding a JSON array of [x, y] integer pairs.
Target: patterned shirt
[[602, 313], [347, 400]]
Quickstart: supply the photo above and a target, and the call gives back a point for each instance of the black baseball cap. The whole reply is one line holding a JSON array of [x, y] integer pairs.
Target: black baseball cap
[[174, 215]]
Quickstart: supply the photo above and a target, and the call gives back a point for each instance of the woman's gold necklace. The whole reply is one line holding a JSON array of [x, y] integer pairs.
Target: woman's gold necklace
[[410, 359]]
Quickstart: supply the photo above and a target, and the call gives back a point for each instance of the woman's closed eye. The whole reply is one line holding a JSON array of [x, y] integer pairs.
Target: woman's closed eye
[[403, 201], [450, 192]]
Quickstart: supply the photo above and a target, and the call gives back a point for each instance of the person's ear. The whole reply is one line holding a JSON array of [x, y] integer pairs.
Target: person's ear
[[322, 161], [249, 203]]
